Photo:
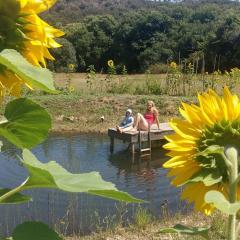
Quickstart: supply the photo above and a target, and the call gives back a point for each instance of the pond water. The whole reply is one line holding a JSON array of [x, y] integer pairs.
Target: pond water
[[81, 213]]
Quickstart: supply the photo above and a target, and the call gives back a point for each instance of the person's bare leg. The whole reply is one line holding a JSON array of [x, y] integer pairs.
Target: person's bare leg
[[136, 124], [140, 123], [143, 124], [130, 128]]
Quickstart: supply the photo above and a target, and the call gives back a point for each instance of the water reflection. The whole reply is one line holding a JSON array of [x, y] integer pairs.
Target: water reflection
[[73, 213]]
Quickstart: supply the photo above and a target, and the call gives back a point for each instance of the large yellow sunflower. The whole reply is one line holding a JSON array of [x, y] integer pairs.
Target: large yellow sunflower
[[216, 121], [23, 30], [41, 35]]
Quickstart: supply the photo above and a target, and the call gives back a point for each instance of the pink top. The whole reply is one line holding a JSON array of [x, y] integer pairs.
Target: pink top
[[149, 116]]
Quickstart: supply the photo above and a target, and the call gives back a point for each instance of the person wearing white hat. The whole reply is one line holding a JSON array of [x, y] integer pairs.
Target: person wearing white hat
[[127, 122]]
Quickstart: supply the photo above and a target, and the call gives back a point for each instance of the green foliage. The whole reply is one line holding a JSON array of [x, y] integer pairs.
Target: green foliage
[[11, 35], [152, 32], [26, 123], [91, 78], [66, 55], [142, 217], [158, 68], [92, 39], [221, 203], [180, 229], [206, 176], [34, 230], [52, 175], [15, 198], [39, 78]]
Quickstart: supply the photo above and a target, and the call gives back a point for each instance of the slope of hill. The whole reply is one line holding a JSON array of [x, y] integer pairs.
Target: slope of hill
[[66, 11], [141, 34]]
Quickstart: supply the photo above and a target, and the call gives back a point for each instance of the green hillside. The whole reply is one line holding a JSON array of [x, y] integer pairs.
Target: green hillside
[[145, 35]]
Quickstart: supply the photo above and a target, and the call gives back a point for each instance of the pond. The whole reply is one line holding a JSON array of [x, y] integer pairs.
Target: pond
[[81, 213]]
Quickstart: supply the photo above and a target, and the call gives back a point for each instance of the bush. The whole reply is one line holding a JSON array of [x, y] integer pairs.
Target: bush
[[119, 87], [158, 68], [151, 86]]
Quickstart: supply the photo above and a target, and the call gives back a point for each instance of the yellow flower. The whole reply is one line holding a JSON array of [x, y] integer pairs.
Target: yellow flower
[[173, 65], [36, 38], [10, 84], [71, 67], [110, 63], [216, 121], [40, 34], [71, 89]]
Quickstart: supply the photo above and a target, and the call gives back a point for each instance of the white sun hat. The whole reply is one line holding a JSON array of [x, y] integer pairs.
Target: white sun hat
[[129, 110]]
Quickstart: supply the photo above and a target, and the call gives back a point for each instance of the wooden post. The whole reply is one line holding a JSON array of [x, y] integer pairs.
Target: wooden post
[[140, 142], [111, 144], [132, 148], [149, 138]]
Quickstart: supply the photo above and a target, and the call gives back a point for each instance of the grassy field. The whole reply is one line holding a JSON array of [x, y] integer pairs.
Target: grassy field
[[79, 106], [173, 84], [82, 113], [148, 230], [84, 99]]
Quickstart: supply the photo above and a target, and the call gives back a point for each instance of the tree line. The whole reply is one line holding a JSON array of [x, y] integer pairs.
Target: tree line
[[203, 32]]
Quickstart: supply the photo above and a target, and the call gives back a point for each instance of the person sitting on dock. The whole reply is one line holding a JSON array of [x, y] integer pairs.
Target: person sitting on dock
[[149, 120], [127, 122]]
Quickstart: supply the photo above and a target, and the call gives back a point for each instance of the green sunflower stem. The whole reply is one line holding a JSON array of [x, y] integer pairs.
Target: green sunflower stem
[[232, 156]]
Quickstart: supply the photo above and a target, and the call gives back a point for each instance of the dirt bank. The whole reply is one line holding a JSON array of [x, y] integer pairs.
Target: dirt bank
[[75, 113]]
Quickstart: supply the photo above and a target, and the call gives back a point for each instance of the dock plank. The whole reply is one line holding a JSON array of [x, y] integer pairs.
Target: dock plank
[[132, 136]]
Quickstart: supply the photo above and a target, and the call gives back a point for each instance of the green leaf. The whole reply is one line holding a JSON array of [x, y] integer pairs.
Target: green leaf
[[13, 199], [115, 194], [213, 149], [221, 203], [37, 77], [52, 175], [181, 229], [207, 176], [27, 123], [34, 230]]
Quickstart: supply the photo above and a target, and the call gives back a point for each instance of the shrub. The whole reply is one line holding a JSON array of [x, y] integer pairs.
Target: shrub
[[158, 68]]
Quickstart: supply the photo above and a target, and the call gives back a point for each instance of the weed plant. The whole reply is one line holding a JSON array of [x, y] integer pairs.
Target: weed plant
[[142, 217]]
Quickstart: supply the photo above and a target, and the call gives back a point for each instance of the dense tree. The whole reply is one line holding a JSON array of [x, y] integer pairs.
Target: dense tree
[[141, 33], [66, 56], [224, 49]]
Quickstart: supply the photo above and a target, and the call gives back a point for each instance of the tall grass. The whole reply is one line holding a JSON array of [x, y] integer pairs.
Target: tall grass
[[177, 81], [142, 217]]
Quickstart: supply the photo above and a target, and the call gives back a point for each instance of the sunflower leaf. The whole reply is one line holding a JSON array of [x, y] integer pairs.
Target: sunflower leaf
[[36, 77], [20, 126], [221, 203], [208, 176], [15, 198], [52, 175], [34, 230], [213, 149], [181, 229]]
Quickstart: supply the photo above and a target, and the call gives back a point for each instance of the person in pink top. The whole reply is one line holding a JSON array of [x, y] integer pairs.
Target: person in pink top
[[149, 119]]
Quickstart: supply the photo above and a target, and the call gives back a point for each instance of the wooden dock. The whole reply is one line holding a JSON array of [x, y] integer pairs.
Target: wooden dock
[[137, 137]]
